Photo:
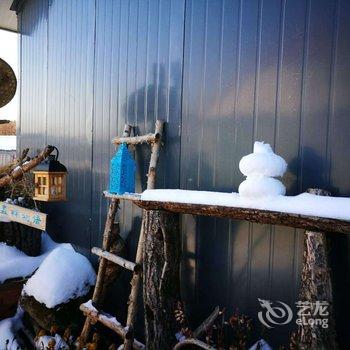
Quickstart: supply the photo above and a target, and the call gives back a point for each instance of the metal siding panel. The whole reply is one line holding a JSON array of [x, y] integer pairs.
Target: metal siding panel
[[70, 102], [265, 93], [262, 69], [276, 59], [33, 80], [338, 156], [286, 263], [135, 82], [190, 141], [339, 123], [315, 94], [6, 156]]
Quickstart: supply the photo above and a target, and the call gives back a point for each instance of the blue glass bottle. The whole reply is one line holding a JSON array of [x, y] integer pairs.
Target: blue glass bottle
[[122, 172]]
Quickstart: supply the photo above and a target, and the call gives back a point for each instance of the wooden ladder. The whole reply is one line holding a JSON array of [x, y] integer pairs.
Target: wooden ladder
[[89, 309]]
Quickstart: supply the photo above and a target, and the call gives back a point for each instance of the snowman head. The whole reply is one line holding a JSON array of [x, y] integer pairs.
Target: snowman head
[[262, 162], [262, 147]]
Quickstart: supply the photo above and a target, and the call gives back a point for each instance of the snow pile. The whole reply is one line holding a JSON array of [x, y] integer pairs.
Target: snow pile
[[63, 275], [14, 263], [303, 204], [260, 167], [8, 329]]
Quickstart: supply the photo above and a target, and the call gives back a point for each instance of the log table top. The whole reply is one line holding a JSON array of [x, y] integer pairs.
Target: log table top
[[312, 223]]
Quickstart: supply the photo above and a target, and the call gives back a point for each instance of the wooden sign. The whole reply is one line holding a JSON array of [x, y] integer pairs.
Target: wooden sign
[[24, 216]]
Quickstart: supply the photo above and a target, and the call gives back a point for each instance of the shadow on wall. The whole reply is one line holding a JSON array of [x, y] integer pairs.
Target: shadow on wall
[[158, 100]]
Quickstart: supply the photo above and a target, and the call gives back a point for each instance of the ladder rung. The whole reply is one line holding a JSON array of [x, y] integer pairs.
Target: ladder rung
[[135, 140], [104, 318], [110, 322], [117, 259], [125, 196]]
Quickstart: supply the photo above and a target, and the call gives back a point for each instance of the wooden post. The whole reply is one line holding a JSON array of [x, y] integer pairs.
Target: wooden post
[[136, 279], [161, 277], [315, 287]]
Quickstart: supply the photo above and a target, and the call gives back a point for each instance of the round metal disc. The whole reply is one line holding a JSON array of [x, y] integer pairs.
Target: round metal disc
[[8, 83]]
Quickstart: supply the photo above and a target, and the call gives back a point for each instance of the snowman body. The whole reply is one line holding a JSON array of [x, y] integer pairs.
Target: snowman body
[[260, 168]]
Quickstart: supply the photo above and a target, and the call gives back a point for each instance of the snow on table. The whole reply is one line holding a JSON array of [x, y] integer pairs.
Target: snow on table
[[303, 204], [62, 276]]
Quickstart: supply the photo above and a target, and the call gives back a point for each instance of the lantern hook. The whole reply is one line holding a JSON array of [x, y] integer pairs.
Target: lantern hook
[[57, 152]]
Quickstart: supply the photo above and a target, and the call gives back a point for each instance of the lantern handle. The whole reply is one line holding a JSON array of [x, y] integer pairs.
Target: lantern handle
[[57, 152]]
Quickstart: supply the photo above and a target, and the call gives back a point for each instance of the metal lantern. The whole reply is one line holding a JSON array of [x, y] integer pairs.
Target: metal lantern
[[50, 180], [122, 172]]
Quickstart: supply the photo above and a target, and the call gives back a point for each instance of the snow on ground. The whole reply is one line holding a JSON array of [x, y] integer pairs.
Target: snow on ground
[[8, 329], [14, 263], [8, 143], [62, 276], [303, 204]]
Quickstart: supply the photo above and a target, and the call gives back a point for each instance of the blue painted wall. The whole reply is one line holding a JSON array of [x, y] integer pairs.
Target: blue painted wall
[[222, 74]]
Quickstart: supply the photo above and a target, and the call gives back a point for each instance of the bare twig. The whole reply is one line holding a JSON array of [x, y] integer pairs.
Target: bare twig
[[192, 341], [207, 323], [19, 170]]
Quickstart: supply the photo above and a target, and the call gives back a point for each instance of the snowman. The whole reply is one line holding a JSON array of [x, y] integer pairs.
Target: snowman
[[260, 168]]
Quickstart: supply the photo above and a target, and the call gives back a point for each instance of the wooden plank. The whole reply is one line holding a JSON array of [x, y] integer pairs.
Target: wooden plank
[[22, 215], [312, 223]]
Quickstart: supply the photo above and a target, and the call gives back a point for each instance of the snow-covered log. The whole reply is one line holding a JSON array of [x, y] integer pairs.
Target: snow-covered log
[[305, 211]]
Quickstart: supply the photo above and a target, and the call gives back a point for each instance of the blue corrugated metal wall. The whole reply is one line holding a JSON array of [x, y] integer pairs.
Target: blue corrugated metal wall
[[223, 74], [33, 71]]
